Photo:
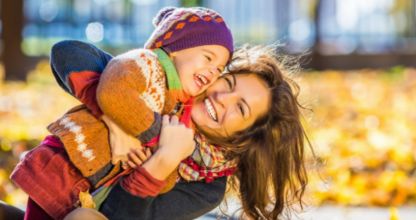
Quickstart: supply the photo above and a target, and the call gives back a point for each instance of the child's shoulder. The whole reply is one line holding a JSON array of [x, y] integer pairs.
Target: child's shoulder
[[145, 59], [138, 54]]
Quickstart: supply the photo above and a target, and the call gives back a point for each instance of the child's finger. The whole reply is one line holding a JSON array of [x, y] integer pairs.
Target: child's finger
[[131, 164], [165, 120], [148, 152], [141, 155], [136, 160], [124, 165]]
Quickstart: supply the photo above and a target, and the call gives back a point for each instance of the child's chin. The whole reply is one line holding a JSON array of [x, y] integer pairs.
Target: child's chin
[[194, 92]]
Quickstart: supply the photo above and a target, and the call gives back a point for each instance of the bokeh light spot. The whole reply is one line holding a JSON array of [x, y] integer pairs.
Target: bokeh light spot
[[6, 103], [48, 11], [359, 91], [6, 145], [371, 122], [299, 30], [95, 32]]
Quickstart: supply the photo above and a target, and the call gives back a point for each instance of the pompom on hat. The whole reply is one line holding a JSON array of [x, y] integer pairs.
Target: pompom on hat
[[182, 28]]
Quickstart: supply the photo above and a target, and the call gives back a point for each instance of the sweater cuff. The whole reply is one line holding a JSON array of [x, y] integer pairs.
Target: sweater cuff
[[141, 183], [152, 131], [84, 86]]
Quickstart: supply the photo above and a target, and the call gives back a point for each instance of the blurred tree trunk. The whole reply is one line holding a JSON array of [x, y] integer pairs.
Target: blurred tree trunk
[[12, 25], [317, 14]]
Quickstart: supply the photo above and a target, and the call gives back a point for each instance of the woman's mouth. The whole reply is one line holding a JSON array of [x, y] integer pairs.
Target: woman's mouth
[[201, 80], [210, 109]]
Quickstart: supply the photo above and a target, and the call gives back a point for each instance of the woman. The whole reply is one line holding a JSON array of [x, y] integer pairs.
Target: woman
[[257, 118]]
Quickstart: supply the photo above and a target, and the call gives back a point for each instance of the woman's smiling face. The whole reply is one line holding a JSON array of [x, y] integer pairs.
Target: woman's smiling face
[[231, 104]]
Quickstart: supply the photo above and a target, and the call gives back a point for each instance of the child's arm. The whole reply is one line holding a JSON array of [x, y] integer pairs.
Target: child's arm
[[77, 67], [131, 92]]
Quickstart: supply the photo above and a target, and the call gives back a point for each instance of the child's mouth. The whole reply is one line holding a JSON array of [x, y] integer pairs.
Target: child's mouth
[[201, 80], [210, 109]]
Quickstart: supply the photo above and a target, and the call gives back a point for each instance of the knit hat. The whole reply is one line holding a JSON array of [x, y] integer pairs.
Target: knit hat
[[182, 28]]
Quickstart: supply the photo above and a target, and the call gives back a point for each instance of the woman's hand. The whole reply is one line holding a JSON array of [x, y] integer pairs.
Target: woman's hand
[[121, 143], [176, 143], [176, 138]]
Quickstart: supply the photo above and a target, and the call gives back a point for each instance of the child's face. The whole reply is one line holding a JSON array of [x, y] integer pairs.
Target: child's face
[[199, 67]]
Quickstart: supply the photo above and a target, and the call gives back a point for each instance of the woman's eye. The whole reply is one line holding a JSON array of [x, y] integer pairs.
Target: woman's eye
[[241, 109], [229, 83], [219, 70], [208, 58]]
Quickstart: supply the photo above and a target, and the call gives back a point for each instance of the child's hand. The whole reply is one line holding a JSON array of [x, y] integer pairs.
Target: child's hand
[[139, 157], [121, 143]]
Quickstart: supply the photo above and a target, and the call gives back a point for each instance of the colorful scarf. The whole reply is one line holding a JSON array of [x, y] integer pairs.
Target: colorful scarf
[[207, 162]]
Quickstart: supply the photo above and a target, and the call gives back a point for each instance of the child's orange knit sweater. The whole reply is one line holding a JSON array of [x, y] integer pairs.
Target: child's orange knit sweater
[[133, 92]]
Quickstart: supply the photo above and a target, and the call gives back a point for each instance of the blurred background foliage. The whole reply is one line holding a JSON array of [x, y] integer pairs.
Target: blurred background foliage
[[360, 77]]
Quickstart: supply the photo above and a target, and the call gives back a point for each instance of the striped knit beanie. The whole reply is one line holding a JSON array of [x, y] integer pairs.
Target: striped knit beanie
[[182, 28]]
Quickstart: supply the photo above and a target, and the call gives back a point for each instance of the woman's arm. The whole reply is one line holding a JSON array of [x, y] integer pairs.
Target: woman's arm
[[77, 67], [136, 196], [187, 200]]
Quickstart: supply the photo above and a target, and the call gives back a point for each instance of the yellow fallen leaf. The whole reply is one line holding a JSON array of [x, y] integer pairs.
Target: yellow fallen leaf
[[86, 199], [394, 213]]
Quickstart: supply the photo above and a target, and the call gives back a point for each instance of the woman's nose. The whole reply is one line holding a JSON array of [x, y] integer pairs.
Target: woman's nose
[[226, 98]]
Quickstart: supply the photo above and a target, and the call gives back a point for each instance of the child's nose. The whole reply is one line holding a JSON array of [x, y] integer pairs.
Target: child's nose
[[214, 71]]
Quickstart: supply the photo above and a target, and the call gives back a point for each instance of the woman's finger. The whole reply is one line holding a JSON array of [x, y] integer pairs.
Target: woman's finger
[[174, 120], [131, 164], [135, 159], [165, 120], [148, 153]]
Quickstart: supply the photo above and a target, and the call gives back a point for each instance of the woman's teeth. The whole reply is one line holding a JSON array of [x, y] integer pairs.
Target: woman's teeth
[[210, 109]]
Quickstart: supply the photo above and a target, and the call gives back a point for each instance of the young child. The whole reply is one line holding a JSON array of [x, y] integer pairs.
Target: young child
[[134, 90]]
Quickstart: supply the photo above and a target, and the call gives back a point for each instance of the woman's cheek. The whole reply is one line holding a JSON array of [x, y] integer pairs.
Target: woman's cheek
[[231, 122]]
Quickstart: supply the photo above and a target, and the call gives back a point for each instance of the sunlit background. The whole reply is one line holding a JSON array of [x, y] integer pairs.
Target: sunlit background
[[359, 59]]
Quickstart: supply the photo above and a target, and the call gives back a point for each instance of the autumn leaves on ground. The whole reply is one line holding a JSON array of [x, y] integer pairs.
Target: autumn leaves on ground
[[363, 129]]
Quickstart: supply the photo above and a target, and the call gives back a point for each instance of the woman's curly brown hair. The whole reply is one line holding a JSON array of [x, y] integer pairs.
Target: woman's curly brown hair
[[271, 175]]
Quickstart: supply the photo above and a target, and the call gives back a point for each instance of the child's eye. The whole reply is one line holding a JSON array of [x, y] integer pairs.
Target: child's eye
[[229, 83], [219, 70], [208, 58]]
